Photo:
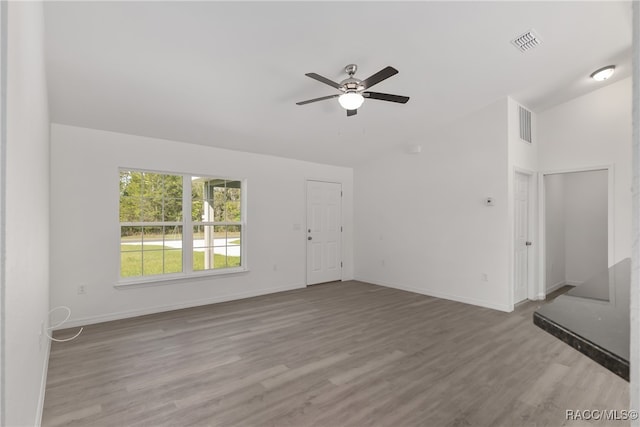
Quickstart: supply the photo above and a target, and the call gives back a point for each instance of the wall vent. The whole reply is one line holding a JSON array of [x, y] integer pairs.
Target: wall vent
[[526, 41], [525, 124]]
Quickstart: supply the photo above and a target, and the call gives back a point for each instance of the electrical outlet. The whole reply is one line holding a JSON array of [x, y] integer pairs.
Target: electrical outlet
[[485, 277], [82, 290]]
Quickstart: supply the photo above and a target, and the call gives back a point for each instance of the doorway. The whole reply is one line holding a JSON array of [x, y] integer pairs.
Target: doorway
[[576, 227], [324, 232]]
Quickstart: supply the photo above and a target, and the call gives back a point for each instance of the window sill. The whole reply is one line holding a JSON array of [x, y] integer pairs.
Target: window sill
[[176, 278]]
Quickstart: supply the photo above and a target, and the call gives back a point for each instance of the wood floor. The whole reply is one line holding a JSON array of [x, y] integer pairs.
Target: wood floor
[[340, 354]]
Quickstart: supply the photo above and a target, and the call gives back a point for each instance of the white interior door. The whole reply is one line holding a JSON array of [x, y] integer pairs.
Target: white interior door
[[324, 229], [522, 243]]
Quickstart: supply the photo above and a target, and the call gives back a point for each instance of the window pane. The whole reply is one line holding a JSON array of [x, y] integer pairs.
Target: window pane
[[203, 236], [172, 210], [173, 187], [233, 210], [220, 260], [233, 193], [130, 239], [209, 199], [152, 238], [130, 208], [208, 258], [152, 209], [220, 235], [130, 183], [173, 236], [208, 210], [219, 199], [197, 209], [124, 181], [198, 259], [233, 201], [152, 184], [172, 249], [173, 260], [198, 236], [130, 264], [233, 261], [152, 262], [197, 188], [234, 251], [215, 247]]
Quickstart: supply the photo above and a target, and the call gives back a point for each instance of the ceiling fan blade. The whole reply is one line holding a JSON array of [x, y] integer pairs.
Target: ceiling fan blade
[[317, 99], [351, 113], [386, 97], [324, 80], [381, 75]]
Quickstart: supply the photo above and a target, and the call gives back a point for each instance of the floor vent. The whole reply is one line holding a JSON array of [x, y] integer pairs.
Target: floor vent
[[525, 124], [526, 41]]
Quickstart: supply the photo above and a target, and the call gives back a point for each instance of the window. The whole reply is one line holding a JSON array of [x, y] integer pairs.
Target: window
[[217, 230], [178, 224]]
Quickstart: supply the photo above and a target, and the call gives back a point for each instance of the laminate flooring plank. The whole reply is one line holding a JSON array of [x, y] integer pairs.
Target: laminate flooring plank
[[371, 365], [237, 384], [293, 374], [69, 417]]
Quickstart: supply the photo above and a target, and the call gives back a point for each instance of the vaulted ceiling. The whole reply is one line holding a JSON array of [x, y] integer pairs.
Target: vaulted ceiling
[[228, 74]]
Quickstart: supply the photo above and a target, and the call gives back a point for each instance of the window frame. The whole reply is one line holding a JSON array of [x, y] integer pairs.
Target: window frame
[[187, 225]]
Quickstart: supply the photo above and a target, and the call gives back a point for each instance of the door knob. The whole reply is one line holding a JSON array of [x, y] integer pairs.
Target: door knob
[[309, 238], [527, 243]]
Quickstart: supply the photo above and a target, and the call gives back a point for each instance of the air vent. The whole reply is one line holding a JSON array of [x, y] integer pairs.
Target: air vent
[[526, 41], [525, 124]]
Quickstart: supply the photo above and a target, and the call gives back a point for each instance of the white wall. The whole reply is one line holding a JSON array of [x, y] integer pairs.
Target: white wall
[[26, 216], [586, 243], [576, 226], [85, 229], [592, 131], [421, 222], [556, 275]]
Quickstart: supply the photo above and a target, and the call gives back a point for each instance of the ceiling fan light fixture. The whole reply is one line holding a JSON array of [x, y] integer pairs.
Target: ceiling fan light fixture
[[351, 100], [603, 73], [352, 91]]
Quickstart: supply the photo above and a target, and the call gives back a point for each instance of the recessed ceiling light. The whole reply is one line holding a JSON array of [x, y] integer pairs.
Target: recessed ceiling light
[[603, 73]]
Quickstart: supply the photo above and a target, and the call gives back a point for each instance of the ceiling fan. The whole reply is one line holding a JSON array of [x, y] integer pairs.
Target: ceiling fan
[[354, 91]]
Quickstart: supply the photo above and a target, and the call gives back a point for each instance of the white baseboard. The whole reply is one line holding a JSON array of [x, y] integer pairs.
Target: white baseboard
[[43, 383], [457, 298], [556, 286], [72, 323]]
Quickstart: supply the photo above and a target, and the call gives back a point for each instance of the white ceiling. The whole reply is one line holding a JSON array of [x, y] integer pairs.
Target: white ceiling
[[228, 74]]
